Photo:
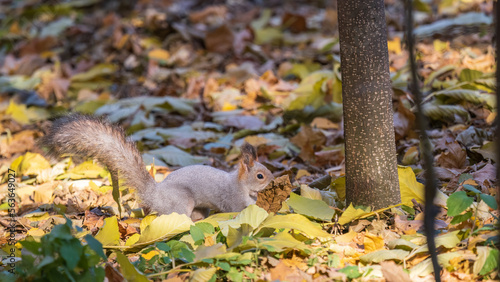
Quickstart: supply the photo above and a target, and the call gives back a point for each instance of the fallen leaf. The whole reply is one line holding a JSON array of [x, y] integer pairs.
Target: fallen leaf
[[275, 194]]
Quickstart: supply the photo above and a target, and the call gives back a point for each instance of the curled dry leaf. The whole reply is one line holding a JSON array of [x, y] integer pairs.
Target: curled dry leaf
[[454, 158], [277, 192]]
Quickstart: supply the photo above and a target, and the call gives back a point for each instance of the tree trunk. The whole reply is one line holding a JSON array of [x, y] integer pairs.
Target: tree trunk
[[370, 152]]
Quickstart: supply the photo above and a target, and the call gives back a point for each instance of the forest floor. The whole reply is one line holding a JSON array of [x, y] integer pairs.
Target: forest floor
[[191, 81]]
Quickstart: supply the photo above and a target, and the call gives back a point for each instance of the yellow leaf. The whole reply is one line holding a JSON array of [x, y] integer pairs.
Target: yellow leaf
[[411, 189], [251, 215], [96, 71], [37, 216], [87, 169], [132, 239], [164, 227], [297, 222], [150, 255], [43, 193], [347, 237], [339, 186], [147, 220], [310, 193], [373, 243], [159, 55], [128, 270], [30, 164], [394, 45], [282, 241], [302, 172], [25, 115], [36, 232], [228, 107], [351, 213], [109, 235], [202, 274]]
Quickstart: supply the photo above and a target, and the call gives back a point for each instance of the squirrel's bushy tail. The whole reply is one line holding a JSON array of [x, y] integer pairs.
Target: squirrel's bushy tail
[[92, 137]]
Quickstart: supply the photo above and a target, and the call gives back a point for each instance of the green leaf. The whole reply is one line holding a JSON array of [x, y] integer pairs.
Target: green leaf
[[309, 207], [490, 262], [71, 251], [489, 200], [163, 246], [444, 112], [461, 218], [223, 265], [206, 227], [235, 275], [196, 234], [352, 272], [95, 72], [458, 202], [464, 176], [95, 245], [471, 188], [468, 75], [452, 95], [128, 270]]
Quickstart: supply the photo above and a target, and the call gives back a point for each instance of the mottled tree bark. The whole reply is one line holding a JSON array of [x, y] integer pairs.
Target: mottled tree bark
[[370, 150]]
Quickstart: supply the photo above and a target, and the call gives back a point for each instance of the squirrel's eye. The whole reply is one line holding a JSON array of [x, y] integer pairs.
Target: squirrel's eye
[[260, 176]]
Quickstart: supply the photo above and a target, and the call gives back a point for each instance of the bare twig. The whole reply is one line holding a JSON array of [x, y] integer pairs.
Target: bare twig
[[430, 210]]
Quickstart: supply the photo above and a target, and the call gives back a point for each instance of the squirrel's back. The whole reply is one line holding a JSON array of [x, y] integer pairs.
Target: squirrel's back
[[92, 137]]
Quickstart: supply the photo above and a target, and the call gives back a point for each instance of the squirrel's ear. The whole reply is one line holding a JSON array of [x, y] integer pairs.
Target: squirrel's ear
[[248, 157], [248, 154]]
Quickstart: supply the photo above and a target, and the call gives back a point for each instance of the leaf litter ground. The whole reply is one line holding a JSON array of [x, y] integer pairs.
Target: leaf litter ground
[[191, 82]]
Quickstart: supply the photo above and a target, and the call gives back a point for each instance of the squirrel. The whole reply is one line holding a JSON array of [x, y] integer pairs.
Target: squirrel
[[192, 190]]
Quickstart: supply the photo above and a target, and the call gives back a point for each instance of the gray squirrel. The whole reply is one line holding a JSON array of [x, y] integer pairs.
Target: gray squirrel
[[192, 190]]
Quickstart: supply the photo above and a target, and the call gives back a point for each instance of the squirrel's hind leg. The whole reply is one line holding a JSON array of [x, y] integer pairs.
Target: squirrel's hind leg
[[200, 213]]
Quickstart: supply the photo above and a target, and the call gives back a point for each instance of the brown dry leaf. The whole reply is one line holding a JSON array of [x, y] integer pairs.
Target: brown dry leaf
[[112, 274], [309, 141], [404, 120], [43, 193], [407, 226], [219, 40], [209, 15], [393, 272], [296, 23], [324, 123], [37, 45], [93, 221], [19, 143], [281, 272], [329, 157], [487, 173], [278, 190], [454, 158]]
